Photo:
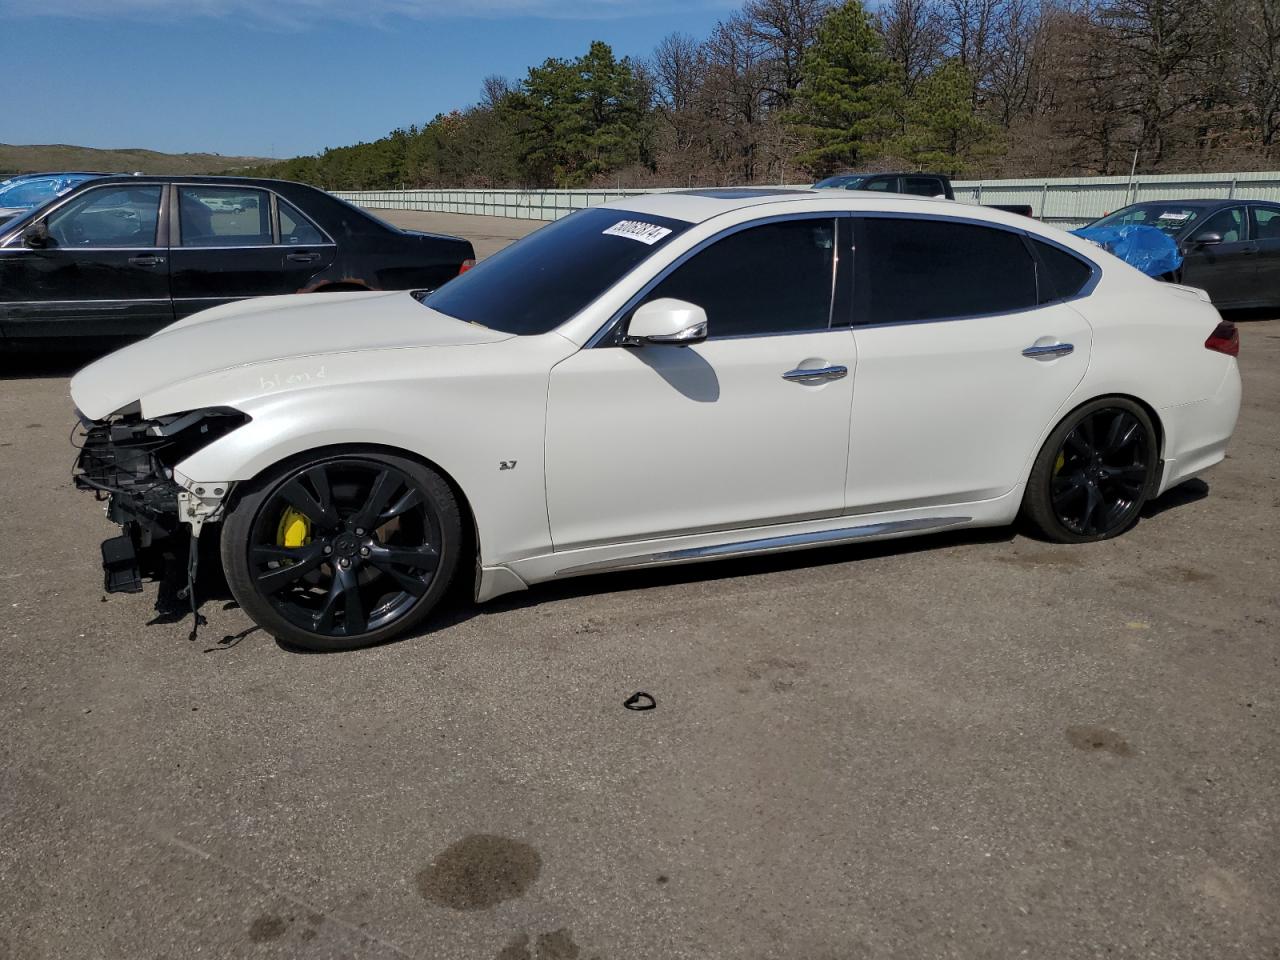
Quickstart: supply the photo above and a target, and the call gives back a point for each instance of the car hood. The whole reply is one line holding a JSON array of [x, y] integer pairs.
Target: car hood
[[262, 331]]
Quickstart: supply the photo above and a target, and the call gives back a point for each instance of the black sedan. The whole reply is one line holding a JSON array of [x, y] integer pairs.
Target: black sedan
[[120, 257], [1231, 248]]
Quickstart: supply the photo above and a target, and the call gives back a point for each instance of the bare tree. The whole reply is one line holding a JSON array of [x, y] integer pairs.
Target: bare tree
[[913, 38], [785, 30]]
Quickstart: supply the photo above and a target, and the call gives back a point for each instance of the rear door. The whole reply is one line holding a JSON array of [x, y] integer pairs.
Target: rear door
[[227, 246], [103, 272], [1265, 224], [964, 358], [1227, 269]]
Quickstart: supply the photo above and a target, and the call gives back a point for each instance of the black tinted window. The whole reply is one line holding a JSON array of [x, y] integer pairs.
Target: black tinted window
[[539, 282], [1062, 275], [774, 278], [923, 186], [914, 269]]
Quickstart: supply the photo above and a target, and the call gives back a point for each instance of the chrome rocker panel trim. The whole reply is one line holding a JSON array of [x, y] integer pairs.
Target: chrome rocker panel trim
[[780, 544]]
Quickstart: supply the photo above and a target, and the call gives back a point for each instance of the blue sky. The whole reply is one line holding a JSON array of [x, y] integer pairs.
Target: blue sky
[[261, 78]]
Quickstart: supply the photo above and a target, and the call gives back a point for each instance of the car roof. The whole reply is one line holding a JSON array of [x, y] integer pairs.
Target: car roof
[[696, 206], [204, 178]]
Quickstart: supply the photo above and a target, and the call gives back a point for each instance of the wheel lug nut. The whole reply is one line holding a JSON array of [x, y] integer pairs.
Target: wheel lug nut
[[359, 531], [364, 551], [344, 563], [328, 549]]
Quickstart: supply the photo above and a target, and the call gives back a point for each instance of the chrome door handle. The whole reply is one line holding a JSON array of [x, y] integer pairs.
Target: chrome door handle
[[1048, 350], [146, 260], [815, 374]]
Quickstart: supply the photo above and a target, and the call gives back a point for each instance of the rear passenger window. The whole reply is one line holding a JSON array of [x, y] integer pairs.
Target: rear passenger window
[[775, 278], [1266, 223], [923, 186], [1062, 275], [910, 269], [219, 216]]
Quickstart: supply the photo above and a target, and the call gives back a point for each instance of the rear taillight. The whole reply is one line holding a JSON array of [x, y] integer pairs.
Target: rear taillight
[[466, 265], [1225, 339]]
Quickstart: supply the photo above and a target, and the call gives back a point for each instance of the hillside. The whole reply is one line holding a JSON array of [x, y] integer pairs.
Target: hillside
[[61, 156]]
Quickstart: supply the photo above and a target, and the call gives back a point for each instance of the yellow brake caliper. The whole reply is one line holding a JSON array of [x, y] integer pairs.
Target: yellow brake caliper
[[1057, 468], [294, 529]]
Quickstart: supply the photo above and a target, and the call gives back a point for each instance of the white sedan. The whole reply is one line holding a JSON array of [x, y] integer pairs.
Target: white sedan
[[663, 379]]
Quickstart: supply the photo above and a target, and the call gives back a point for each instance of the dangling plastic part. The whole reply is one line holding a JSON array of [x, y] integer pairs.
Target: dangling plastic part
[[189, 591]]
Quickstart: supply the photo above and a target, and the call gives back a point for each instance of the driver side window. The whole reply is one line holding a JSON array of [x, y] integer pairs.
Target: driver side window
[[108, 217], [1229, 223], [770, 279]]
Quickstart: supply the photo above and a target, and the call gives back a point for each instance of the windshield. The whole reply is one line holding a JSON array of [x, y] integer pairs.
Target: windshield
[[1172, 218], [848, 181], [26, 194], [539, 282]]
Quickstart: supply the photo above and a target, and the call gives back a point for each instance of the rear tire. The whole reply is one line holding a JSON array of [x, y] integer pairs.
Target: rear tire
[[340, 550], [1093, 474]]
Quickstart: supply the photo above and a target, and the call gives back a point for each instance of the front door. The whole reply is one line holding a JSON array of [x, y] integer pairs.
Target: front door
[[964, 358], [103, 272], [649, 441], [1226, 269]]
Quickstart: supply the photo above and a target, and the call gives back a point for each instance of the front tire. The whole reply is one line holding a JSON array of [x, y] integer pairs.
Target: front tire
[[340, 551], [1094, 473]]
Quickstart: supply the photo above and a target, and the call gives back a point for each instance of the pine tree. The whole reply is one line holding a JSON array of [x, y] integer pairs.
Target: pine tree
[[844, 106]]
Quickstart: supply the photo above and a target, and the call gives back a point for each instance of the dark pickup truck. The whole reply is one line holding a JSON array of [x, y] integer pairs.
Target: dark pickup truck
[[915, 184]]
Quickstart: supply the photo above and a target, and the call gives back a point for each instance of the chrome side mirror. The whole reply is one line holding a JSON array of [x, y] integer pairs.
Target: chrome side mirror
[[667, 321]]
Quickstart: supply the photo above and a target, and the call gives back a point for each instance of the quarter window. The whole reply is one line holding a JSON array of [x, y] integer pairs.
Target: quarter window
[[911, 269], [108, 217], [1061, 275], [295, 229], [774, 278], [224, 217]]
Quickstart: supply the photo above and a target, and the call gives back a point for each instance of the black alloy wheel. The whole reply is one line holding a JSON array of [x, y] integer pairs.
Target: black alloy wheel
[[1094, 473], [343, 552]]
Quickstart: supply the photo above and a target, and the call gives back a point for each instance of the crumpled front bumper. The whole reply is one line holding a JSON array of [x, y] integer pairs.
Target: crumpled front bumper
[[128, 463]]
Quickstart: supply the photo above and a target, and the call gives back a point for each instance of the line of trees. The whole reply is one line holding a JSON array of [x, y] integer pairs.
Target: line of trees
[[783, 90]]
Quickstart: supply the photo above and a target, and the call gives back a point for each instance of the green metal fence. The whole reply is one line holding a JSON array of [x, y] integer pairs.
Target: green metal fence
[[1064, 201]]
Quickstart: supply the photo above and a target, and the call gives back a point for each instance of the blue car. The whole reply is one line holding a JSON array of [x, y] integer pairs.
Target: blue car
[[25, 192]]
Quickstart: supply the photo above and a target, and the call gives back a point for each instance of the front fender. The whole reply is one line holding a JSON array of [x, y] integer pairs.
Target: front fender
[[469, 424]]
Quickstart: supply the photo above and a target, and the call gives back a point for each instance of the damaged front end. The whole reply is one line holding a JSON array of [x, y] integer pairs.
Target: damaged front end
[[129, 463]]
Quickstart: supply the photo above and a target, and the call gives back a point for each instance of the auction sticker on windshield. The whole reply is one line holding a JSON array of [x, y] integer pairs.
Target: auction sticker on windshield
[[649, 233]]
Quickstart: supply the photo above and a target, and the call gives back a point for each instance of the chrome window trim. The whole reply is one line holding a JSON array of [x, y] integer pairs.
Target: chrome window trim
[[8, 242], [255, 246], [46, 303], [634, 301]]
